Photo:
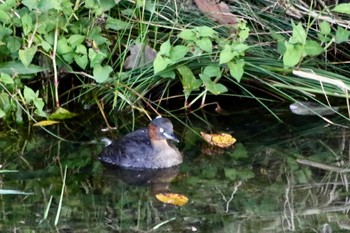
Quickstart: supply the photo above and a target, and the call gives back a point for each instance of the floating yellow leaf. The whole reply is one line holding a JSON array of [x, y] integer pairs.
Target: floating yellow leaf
[[222, 140], [46, 123], [172, 198]]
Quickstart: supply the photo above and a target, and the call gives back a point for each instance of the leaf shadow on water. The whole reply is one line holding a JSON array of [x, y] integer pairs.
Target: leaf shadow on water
[[257, 186]]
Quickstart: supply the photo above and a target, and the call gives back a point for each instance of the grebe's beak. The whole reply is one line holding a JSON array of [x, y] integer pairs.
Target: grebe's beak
[[171, 136]]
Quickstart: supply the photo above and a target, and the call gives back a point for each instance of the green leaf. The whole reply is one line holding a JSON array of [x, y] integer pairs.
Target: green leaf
[[205, 31], [188, 80], [227, 54], [312, 48], [165, 49], [117, 24], [75, 40], [245, 174], [4, 17], [17, 67], [214, 88], [243, 34], [236, 69], [293, 54], [2, 113], [204, 44], [212, 71], [31, 4], [81, 57], [341, 35], [325, 28], [27, 23], [230, 173], [167, 74], [239, 47], [160, 63], [101, 73], [39, 105], [81, 60], [61, 114], [342, 8], [96, 57], [26, 55], [187, 34], [63, 47], [178, 52], [29, 94], [6, 79], [299, 34], [13, 44], [240, 152], [5, 103]]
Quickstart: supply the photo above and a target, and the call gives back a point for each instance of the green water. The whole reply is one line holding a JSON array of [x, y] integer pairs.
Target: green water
[[258, 186]]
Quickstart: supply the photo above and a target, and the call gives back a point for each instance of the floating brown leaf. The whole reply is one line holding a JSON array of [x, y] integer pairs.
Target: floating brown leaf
[[222, 140], [172, 198], [219, 12]]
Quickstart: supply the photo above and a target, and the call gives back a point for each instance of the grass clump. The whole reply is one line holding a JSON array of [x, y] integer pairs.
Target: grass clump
[[136, 55]]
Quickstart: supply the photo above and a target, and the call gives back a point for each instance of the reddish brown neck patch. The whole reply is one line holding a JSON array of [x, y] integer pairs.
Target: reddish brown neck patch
[[153, 132]]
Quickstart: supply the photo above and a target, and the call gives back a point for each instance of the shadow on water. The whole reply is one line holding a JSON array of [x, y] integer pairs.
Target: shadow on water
[[257, 186]]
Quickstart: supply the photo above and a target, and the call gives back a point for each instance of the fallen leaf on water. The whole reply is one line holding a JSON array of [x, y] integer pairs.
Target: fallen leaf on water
[[222, 140], [172, 198], [46, 123]]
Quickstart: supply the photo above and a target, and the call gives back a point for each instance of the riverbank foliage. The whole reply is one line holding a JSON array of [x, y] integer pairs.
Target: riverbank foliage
[[142, 55]]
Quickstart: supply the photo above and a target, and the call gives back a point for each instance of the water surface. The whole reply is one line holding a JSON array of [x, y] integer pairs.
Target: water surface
[[257, 186]]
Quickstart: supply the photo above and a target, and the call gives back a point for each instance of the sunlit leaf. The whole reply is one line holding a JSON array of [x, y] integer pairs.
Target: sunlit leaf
[[236, 69], [165, 48], [205, 31], [189, 81], [6, 79], [222, 140], [46, 123], [227, 54], [312, 48], [299, 34], [101, 73], [26, 55], [213, 87], [61, 114], [29, 94], [293, 54], [204, 44], [212, 71], [341, 35], [187, 34], [160, 63], [2, 113], [172, 198], [325, 28], [178, 52], [342, 8], [75, 40]]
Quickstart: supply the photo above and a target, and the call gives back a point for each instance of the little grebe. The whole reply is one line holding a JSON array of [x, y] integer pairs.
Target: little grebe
[[144, 148]]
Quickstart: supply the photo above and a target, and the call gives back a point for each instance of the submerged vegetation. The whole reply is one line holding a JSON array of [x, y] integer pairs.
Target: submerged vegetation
[[128, 55]]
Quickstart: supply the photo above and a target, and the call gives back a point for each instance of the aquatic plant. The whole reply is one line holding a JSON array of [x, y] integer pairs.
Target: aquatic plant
[[139, 55]]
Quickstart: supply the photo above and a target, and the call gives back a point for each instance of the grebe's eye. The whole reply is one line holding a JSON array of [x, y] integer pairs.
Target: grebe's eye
[[161, 130]]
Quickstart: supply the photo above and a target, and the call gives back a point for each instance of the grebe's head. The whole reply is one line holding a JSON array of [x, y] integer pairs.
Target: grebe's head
[[161, 129]]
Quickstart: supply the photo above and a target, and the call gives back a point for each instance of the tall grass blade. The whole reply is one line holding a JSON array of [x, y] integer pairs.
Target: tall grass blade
[[61, 198]]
